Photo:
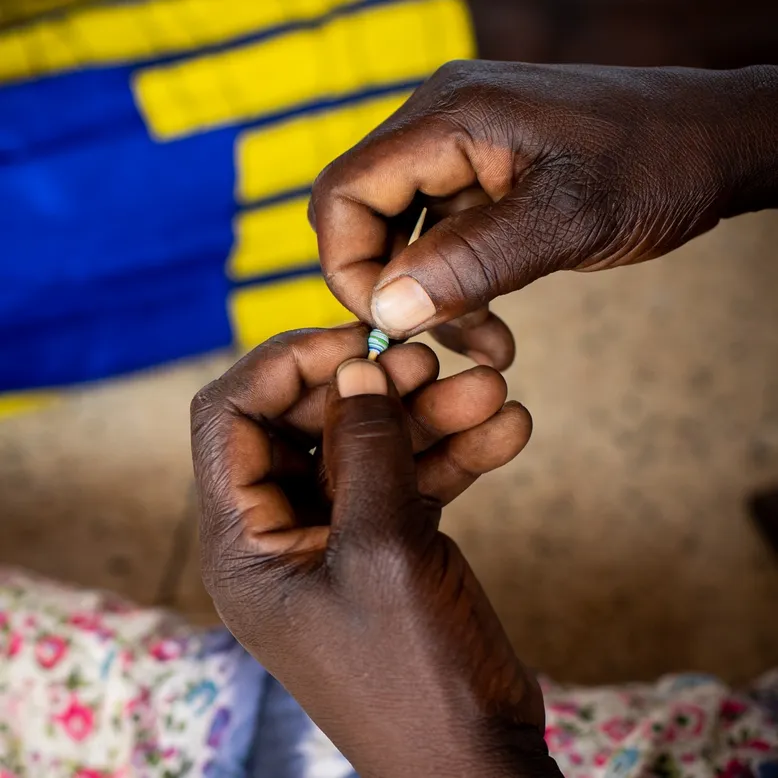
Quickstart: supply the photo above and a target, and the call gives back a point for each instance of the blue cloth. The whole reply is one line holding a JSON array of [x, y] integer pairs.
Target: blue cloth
[[112, 246], [267, 734], [115, 239]]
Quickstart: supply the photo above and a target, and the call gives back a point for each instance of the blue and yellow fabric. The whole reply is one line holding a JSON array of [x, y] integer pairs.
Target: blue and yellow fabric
[[155, 162]]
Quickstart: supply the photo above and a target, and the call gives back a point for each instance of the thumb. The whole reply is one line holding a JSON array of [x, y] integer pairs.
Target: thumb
[[368, 456], [471, 257]]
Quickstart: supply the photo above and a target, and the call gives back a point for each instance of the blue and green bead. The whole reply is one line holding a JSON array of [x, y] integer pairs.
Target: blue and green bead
[[377, 343]]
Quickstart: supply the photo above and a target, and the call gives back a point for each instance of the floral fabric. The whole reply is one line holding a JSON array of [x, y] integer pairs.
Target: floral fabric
[[685, 726], [92, 687]]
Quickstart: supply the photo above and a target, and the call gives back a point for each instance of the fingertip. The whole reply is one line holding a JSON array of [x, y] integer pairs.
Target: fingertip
[[401, 306], [494, 443], [410, 366], [455, 404], [450, 467], [517, 423], [357, 377], [490, 381]]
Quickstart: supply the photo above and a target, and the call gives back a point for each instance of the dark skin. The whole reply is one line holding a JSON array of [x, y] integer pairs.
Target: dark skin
[[330, 568], [530, 169]]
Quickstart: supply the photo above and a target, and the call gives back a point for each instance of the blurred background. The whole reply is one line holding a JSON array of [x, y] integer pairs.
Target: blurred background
[[155, 163]]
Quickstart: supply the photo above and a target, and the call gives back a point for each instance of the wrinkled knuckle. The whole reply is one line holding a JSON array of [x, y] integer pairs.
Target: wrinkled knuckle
[[201, 399], [203, 402], [452, 72], [322, 185], [211, 475], [455, 90]]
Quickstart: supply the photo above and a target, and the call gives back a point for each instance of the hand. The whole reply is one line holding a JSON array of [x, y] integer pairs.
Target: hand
[[533, 169], [332, 571]]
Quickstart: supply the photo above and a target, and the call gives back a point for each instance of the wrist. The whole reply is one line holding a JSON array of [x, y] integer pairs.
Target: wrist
[[749, 155]]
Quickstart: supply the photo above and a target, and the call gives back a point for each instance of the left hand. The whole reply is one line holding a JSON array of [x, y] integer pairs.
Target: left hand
[[333, 573]]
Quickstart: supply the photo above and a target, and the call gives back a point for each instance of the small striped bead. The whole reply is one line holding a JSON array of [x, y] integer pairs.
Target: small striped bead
[[377, 342]]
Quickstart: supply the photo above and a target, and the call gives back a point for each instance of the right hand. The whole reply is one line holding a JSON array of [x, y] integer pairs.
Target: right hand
[[570, 167], [331, 570]]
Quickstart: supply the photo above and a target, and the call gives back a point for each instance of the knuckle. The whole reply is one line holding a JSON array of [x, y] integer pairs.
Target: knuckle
[[471, 105], [208, 434], [203, 402], [453, 86], [454, 70], [206, 411], [321, 184], [453, 257], [325, 187], [335, 179]]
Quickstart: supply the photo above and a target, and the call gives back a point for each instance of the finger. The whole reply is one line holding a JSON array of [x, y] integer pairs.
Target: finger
[[552, 221], [459, 266], [454, 404], [368, 457], [480, 335], [441, 408], [410, 366], [454, 464], [233, 453], [357, 196]]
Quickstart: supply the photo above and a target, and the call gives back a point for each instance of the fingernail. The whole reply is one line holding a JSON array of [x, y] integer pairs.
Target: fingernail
[[480, 358], [358, 376], [402, 306]]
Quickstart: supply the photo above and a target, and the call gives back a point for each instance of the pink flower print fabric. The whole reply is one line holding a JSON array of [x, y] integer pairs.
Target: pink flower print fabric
[[685, 726]]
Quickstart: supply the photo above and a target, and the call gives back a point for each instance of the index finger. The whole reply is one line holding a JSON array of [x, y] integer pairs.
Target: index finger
[[354, 199]]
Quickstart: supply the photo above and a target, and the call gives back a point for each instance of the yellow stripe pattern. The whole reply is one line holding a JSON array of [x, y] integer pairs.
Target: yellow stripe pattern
[[290, 155], [128, 32], [357, 51], [272, 240], [374, 48], [287, 155], [259, 312]]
